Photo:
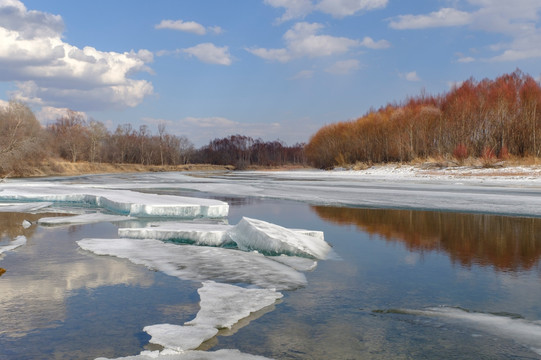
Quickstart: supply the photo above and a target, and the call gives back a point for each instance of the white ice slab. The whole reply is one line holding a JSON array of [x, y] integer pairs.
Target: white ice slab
[[81, 219], [522, 331], [23, 207], [179, 338], [223, 305], [19, 241], [223, 354], [252, 234], [119, 201], [199, 263], [199, 234]]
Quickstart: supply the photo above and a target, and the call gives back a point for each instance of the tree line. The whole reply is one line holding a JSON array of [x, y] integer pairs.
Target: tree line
[[488, 119], [25, 143]]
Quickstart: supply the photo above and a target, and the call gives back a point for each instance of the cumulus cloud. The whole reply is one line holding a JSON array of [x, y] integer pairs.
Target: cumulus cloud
[[49, 71], [516, 20], [188, 26], [344, 67], [210, 53], [304, 40], [410, 76], [298, 9], [441, 18], [49, 114]]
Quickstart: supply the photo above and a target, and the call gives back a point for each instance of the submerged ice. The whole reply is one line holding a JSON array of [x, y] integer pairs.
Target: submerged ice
[[123, 202], [19, 241], [198, 263]]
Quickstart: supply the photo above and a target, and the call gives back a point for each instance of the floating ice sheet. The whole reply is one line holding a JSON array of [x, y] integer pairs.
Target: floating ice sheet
[[224, 354], [23, 207], [119, 201], [199, 234], [19, 241], [198, 263], [520, 330], [81, 219], [252, 234], [222, 306]]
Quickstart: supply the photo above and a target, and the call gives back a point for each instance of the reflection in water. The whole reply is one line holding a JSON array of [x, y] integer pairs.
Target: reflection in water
[[11, 225], [506, 243]]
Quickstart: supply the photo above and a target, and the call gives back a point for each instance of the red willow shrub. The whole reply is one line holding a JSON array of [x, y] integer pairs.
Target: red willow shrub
[[503, 115]]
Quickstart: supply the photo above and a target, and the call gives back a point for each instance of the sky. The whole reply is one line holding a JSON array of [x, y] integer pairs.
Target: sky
[[270, 69]]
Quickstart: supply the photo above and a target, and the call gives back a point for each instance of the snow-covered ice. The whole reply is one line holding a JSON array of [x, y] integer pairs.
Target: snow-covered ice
[[522, 331], [124, 202], [223, 354], [81, 219], [194, 233], [222, 306], [19, 241], [199, 263], [23, 207], [253, 234]]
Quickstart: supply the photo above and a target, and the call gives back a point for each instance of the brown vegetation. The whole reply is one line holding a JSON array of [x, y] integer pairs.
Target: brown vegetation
[[490, 119]]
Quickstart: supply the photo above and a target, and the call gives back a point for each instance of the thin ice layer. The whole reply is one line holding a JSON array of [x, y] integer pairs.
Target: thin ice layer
[[81, 219], [223, 354], [223, 305], [19, 241], [520, 330], [198, 263], [24, 207], [252, 234], [119, 201]]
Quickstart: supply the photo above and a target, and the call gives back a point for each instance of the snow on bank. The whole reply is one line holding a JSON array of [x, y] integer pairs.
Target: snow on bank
[[123, 202], [520, 330], [198, 263]]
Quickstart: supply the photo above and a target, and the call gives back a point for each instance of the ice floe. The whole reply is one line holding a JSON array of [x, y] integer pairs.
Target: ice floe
[[19, 241], [252, 234], [222, 306], [224, 354], [199, 263], [81, 219], [522, 331], [124, 202], [23, 207]]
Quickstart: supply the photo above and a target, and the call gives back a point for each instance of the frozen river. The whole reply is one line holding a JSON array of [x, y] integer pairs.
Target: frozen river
[[348, 266]]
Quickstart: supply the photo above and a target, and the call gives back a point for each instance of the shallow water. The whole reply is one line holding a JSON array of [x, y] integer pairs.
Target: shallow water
[[59, 302]]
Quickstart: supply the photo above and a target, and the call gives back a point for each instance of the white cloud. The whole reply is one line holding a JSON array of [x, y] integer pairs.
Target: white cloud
[[304, 74], [371, 44], [442, 18], [410, 76], [49, 71], [344, 67], [210, 54], [341, 8], [303, 40], [188, 26], [298, 9], [210, 122], [516, 20], [48, 114], [466, 59]]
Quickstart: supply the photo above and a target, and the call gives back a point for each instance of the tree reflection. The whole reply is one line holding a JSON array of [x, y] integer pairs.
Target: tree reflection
[[507, 243], [11, 225]]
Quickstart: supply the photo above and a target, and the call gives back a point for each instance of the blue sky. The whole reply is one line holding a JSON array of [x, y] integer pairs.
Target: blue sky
[[275, 69]]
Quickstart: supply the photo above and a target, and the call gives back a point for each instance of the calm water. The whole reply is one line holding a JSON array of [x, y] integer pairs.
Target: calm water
[[58, 302]]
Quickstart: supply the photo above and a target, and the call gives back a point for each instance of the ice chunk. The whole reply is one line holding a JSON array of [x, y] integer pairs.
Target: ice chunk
[[194, 233], [223, 354], [26, 224], [23, 207], [252, 234], [297, 263], [81, 219], [520, 330], [198, 263], [223, 305], [19, 241], [180, 338], [119, 201]]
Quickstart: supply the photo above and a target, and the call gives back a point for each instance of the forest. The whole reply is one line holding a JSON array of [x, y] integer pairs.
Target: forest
[[24, 143], [487, 119]]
